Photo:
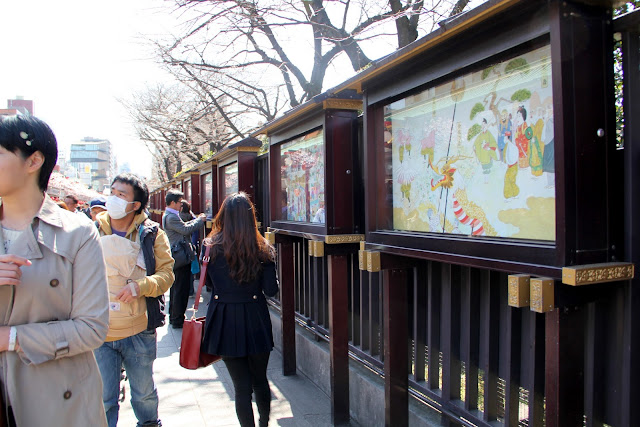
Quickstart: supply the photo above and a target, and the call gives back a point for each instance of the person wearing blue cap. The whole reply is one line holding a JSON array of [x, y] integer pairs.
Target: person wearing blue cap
[[96, 206]]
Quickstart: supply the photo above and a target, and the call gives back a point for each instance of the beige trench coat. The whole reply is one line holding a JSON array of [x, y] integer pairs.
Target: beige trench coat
[[60, 310]]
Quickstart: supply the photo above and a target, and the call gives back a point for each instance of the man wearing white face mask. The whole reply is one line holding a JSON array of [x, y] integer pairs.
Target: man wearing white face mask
[[139, 272]]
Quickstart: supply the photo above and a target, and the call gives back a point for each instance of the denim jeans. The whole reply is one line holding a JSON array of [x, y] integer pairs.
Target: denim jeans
[[136, 354]]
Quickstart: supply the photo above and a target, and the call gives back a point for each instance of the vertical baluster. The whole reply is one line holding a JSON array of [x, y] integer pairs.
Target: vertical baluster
[[509, 353], [365, 310], [308, 297], [450, 333], [356, 326], [325, 292], [420, 321], [339, 342], [532, 355], [489, 342], [374, 314], [433, 303], [317, 280], [470, 335], [396, 380], [287, 300]]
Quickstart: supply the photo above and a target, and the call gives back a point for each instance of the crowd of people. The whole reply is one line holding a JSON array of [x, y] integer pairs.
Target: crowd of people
[[81, 299]]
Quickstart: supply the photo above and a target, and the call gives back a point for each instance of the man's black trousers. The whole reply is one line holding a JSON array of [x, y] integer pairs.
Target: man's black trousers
[[179, 294]]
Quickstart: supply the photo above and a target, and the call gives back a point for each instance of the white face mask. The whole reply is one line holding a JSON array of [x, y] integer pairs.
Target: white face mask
[[117, 207]]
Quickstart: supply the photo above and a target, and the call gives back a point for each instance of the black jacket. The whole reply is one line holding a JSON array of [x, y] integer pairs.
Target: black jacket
[[238, 322]]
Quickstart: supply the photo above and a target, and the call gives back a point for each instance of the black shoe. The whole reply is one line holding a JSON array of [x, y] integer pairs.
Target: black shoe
[[176, 325]]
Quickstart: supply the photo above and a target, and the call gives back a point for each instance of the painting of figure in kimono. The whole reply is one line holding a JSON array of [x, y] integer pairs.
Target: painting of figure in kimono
[[302, 177], [475, 155]]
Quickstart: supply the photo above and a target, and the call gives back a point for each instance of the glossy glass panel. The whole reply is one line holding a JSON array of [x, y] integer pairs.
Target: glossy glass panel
[[302, 167], [208, 195], [230, 177], [475, 155], [187, 190]]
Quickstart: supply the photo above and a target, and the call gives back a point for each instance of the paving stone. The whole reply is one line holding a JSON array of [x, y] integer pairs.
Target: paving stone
[[205, 397]]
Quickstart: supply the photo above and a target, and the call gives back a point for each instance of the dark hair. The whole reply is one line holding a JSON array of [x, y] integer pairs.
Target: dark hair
[[186, 207], [140, 190], [28, 134], [235, 234], [72, 197], [522, 110], [173, 195]]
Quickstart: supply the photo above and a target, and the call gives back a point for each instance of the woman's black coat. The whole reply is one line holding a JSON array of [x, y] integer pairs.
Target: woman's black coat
[[238, 322]]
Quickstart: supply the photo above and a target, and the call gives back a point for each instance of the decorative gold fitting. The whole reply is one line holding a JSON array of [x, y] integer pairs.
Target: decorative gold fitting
[[318, 248], [342, 104], [362, 260], [335, 239], [362, 245], [310, 247], [271, 237], [519, 290], [588, 274], [542, 297], [373, 261]]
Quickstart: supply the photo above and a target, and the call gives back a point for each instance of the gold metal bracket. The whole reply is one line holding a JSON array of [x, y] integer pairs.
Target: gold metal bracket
[[316, 248], [542, 298], [336, 239], [362, 259], [373, 261], [342, 104], [519, 290], [271, 237], [588, 274]]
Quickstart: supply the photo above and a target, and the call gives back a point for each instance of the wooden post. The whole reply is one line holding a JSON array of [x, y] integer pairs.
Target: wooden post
[[564, 367], [287, 301], [339, 341], [396, 380]]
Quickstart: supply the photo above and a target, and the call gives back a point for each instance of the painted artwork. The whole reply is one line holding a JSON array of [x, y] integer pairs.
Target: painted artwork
[[187, 190], [475, 155], [230, 179], [208, 196], [302, 168]]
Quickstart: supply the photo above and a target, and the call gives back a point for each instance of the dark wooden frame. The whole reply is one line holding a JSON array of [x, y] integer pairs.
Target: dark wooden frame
[[581, 186], [210, 168], [341, 178], [244, 153]]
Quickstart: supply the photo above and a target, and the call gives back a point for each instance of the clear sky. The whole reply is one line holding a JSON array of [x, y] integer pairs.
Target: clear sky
[[75, 58]]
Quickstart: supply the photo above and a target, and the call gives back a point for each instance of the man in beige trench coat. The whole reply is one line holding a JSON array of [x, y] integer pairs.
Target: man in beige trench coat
[[53, 290]]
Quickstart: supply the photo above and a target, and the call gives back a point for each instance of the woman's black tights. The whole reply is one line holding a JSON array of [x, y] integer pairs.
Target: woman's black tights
[[249, 374]]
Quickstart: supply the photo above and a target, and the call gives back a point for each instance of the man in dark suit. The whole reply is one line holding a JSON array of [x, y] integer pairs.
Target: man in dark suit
[[177, 230]]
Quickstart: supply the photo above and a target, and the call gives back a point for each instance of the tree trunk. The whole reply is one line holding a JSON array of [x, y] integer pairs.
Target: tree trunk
[[459, 7]]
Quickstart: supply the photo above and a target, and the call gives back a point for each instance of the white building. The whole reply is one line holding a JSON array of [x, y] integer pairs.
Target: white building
[[94, 161]]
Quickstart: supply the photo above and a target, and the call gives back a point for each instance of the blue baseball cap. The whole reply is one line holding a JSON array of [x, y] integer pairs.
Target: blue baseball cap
[[98, 203]]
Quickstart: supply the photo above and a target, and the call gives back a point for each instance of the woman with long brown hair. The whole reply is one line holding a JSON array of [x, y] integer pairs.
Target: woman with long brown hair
[[238, 327]]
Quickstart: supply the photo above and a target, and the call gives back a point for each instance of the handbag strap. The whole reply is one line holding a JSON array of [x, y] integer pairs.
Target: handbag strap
[[203, 275]]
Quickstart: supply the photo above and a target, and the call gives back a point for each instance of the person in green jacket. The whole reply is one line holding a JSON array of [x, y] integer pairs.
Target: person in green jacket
[[485, 147]]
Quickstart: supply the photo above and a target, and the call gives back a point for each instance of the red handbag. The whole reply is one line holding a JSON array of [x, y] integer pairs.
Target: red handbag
[[191, 354]]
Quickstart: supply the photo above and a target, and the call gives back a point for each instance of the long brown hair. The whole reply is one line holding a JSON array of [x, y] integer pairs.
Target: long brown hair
[[235, 234]]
